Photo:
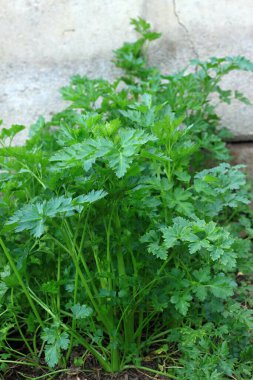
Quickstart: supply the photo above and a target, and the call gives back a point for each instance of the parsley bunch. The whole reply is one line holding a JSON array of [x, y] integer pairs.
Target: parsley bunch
[[122, 228]]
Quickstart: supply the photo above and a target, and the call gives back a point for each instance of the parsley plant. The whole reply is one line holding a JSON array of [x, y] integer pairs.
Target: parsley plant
[[123, 225]]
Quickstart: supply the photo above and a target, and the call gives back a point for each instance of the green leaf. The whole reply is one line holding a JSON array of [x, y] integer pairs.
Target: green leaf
[[198, 246], [11, 132], [81, 311], [33, 217], [56, 341], [178, 231], [181, 302], [157, 250], [202, 275], [154, 246], [52, 355], [201, 292], [183, 176], [91, 197], [30, 217], [128, 147], [170, 236], [83, 154], [222, 287]]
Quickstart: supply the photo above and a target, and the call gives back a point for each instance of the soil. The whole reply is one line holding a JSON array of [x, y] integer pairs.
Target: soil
[[92, 371], [79, 374]]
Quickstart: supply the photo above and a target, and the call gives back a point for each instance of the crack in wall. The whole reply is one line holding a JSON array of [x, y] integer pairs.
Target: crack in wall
[[186, 30]]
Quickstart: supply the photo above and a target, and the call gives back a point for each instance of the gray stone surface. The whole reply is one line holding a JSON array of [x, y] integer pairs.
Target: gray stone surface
[[43, 42]]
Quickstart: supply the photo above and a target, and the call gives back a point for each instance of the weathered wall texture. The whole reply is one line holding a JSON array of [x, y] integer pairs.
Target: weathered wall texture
[[43, 42]]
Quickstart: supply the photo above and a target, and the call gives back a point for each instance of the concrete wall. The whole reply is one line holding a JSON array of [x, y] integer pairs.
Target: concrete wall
[[43, 42]]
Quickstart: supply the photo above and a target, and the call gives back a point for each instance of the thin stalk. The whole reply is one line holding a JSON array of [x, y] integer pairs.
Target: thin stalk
[[135, 269], [78, 270], [21, 282], [19, 362], [79, 338], [58, 302], [75, 250], [128, 318], [18, 339], [115, 354], [73, 319], [35, 349], [163, 333], [34, 175], [145, 322], [142, 290], [84, 232], [14, 353], [87, 271], [101, 316], [108, 249], [140, 322], [23, 336], [169, 375], [53, 373], [103, 281]]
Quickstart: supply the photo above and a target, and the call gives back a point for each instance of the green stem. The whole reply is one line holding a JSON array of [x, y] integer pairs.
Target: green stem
[[19, 362], [96, 307], [108, 251], [21, 282], [145, 289], [21, 333], [115, 360], [103, 281], [34, 175], [58, 282], [135, 270], [79, 339], [53, 373], [169, 375], [73, 319], [140, 323], [144, 323]]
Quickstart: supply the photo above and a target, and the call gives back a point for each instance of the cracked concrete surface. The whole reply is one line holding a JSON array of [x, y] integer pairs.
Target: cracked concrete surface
[[43, 42], [187, 33]]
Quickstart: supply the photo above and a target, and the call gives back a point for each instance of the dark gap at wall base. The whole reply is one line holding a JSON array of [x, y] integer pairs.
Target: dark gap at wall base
[[242, 153]]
